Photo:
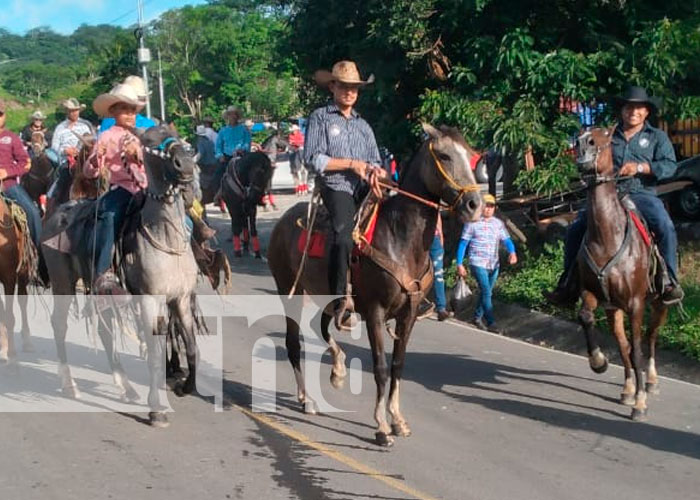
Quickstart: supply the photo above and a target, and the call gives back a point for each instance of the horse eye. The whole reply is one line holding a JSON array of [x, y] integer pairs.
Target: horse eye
[[591, 142], [444, 156]]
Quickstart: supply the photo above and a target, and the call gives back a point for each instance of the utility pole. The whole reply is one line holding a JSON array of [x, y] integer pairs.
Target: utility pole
[[144, 57], [161, 93]]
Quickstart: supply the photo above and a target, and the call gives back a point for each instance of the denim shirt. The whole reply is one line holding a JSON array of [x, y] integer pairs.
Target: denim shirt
[[650, 145]]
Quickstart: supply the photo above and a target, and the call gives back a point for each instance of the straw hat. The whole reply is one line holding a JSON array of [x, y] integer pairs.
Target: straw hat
[[119, 93], [489, 198], [139, 86], [38, 115], [342, 72], [71, 104]]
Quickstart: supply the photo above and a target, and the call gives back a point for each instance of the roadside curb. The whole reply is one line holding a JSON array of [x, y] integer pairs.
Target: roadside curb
[[559, 334]]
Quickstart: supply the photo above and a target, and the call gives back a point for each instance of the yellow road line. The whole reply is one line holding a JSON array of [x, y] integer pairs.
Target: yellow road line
[[335, 455]]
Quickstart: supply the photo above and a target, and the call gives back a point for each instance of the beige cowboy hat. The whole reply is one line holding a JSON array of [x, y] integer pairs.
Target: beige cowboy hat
[[119, 93], [139, 86], [232, 110], [200, 130], [71, 104], [38, 115], [342, 72]]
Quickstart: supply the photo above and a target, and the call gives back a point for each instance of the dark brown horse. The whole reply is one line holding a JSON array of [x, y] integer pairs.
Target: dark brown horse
[[613, 265], [404, 232], [41, 173], [15, 274]]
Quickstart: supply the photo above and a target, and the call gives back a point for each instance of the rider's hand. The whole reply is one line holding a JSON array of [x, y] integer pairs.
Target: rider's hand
[[360, 168], [461, 271], [71, 151], [132, 149], [512, 259], [3, 174], [630, 168], [101, 149]]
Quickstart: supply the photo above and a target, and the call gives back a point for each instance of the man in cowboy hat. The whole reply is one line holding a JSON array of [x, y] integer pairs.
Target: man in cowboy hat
[[234, 138], [646, 155], [35, 125], [142, 122], [14, 163], [340, 147], [66, 137], [208, 123]]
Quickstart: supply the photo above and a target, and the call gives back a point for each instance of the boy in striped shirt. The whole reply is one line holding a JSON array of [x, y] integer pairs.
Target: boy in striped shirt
[[482, 239]]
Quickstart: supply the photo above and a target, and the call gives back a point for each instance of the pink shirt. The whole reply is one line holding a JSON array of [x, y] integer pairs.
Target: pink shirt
[[133, 177]]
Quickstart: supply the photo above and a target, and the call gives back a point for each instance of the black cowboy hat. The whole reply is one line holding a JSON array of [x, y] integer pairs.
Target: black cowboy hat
[[638, 94]]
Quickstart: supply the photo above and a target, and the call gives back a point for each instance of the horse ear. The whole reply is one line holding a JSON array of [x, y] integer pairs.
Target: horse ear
[[431, 131]]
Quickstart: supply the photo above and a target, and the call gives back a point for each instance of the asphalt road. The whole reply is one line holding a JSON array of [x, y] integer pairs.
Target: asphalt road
[[492, 418]]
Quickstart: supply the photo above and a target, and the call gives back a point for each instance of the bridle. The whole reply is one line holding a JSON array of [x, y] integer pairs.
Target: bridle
[[595, 178], [163, 151], [461, 190]]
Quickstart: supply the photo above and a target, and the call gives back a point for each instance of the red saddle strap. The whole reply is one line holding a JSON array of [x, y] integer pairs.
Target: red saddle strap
[[641, 228]]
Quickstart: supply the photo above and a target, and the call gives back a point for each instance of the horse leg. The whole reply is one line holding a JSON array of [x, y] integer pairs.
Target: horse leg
[[59, 322], [126, 391], [659, 312], [254, 232], [404, 326], [338, 372], [23, 298], [639, 411], [292, 340], [154, 349], [182, 309], [375, 330], [616, 320], [237, 220], [7, 328], [596, 359]]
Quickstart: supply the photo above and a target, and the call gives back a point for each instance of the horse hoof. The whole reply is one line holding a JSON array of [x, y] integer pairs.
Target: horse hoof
[[158, 420], [71, 392], [383, 439], [337, 381], [176, 374], [627, 399], [28, 346], [184, 389], [4, 358], [602, 368], [310, 407], [653, 389], [401, 430], [639, 415]]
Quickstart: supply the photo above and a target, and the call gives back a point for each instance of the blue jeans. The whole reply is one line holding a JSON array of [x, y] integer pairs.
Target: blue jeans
[[436, 255], [17, 194], [486, 278], [656, 216], [111, 214]]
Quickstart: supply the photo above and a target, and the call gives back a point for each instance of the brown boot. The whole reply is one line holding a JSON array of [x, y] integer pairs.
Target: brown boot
[[566, 293]]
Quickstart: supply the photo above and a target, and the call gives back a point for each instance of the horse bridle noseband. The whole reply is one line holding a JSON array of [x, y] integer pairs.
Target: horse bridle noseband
[[461, 190], [164, 152]]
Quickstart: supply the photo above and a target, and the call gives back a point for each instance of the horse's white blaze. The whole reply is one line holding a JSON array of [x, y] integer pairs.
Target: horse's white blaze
[[465, 156]]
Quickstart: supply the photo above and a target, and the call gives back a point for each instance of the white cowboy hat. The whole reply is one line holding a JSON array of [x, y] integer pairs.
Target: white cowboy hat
[[71, 104], [200, 130], [119, 93], [139, 86], [342, 72], [294, 127], [38, 115]]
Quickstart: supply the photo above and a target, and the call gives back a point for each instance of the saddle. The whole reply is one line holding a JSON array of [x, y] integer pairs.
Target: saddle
[[363, 235], [29, 257]]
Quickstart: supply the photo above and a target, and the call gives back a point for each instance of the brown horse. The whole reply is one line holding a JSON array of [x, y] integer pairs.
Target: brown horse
[[613, 265], [14, 275], [388, 290]]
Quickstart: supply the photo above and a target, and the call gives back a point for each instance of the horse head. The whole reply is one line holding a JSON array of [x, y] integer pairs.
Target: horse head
[[169, 162], [446, 171], [256, 171], [38, 142], [594, 154]]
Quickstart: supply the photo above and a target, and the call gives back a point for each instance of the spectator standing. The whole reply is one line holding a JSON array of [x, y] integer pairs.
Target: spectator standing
[[481, 239]]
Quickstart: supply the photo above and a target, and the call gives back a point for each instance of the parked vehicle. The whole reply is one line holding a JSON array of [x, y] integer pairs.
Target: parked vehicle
[[683, 189]]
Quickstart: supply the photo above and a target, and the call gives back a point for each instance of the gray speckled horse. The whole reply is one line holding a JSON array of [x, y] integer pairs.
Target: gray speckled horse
[[160, 269]]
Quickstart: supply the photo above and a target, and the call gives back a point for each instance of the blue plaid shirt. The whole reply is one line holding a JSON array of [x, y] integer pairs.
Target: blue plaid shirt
[[482, 239], [331, 135]]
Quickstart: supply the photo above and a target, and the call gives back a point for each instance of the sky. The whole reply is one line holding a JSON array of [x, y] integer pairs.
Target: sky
[[64, 16]]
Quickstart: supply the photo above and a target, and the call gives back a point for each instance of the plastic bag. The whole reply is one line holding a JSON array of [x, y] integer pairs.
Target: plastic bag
[[460, 295]]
